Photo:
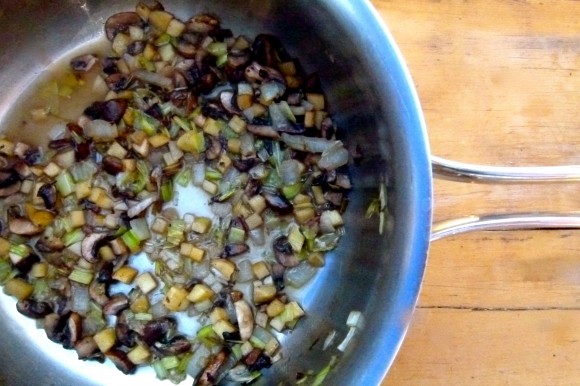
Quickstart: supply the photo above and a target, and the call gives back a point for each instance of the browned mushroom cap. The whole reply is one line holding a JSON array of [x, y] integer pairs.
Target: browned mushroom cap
[[277, 202], [121, 361], [48, 194], [125, 335], [158, 329], [87, 348], [256, 360], [257, 72], [9, 183], [227, 101], [209, 374], [116, 304], [33, 309], [120, 22], [175, 346], [89, 246], [23, 227], [73, 330], [54, 326], [118, 82], [83, 63], [111, 111], [284, 253], [214, 148], [202, 23]]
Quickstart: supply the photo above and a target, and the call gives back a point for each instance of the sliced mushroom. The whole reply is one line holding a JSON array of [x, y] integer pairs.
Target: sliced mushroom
[[284, 253], [125, 335], [48, 194], [111, 111], [8, 178], [136, 47], [112, 165], [256, 360], [33, 309], [118, 82], [235, 249], [214, 148], [87, 349], [116, 304], [202, 23], [83, 63], [238, 58], [89, 246], [23, 227], [25, 263], [186, 49], [135, 210], [121, 361], [73, 330], [158, 329], [98, 292], [227, 101], [245, 317], [54, 325], [256, 72], [278, 203], [10, 190], [264, 131], [278, 276], [120, 22], [175, 346], [209, 375]]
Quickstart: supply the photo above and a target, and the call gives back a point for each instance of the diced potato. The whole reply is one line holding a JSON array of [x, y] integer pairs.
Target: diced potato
[[260, 270], [275, 308], [319, 117], [316, 259], [212, 127], [317, 100], [18, 288], [191, 251], [105, 339], [234, 145], [257, 203], [146, 282], [140, 304], [52, 170], [225, 267], [39, 270], [116, 150], [222, 326], [254, 220], [218, 313], [237, 124], [264, 293], [106, 253], [176, 299], [201, 225], [143, 11], [160, 20], [4, 247], [125, 274], [158, 140], [27, 186], [83, 189], [200, 293], [309, 119], [129, 164], [160, 225], [139, 355], [303, 215], [6, 147], [209, 187], [175, 28], [77, 218], [120, 44]]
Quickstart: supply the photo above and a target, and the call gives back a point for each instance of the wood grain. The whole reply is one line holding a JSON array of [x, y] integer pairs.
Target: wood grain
[[499, 82]]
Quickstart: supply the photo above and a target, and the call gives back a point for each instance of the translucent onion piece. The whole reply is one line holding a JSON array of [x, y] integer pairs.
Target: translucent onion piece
[[334, 157], [300, 275], [102, 130]]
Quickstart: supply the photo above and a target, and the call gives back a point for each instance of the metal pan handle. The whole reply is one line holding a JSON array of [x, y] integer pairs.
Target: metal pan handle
[[463, 172]]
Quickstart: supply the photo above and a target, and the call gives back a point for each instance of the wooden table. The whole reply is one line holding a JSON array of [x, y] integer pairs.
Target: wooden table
[[499, 82]]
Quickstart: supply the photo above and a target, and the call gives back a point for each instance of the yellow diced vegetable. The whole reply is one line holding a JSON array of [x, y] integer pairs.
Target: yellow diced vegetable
[[105, 339], [200, 293], [125, 274], [176, 299]]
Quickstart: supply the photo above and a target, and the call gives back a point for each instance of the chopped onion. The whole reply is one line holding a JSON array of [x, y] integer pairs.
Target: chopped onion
[[80, 299], [334, 157], [298, 276], [271, 90], [290, 171], [154, 78], [244, 271], [101, 130], [198, 173], [309, 144]]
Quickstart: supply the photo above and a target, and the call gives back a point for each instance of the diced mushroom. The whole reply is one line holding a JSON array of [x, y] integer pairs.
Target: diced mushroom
[[256, 360], [214, 148], [209, 375], [157, 329], [111, 111], [227, 101], [116, 304], [135, 210], [121, 361], [125, 335], [9, 183], [120, 22], [256, 72], [24, 264], [175, 346], [54, 325], [202, 23], [235, 249], [73, 330], [10, 190], [118, 82], [277, 202], [98, 292], [48, 194], [89, 246], [23, 227], [33, 309], [112, 165], [87, 349], [284, 253], [83, 63], [245, 318]]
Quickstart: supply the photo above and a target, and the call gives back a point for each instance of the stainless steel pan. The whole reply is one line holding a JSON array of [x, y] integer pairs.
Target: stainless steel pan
[[374, 103]]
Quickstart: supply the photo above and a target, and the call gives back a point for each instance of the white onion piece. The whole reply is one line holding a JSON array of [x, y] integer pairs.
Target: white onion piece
[[245, 271], [58, 131], [154, 78], [271, 90], [309, 144], [334, 157], [200, 270], [158, 310], [198, 173], [80, 299], [257, 236], [300, 275], [247, 289], [290, 171], [198, 361], [279, 120], [100, 129], [221, 209], [247, 143]]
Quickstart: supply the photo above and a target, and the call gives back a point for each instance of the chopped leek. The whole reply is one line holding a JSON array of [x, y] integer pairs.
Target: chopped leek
[[167, 190], [65, 183], [73, 237], [82, 276]]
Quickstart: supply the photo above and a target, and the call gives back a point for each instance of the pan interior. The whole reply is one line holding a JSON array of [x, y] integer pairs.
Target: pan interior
[[372, 100]]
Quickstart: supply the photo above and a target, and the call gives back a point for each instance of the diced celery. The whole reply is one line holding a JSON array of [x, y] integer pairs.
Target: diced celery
[[170, 362], [140, 229], [65, 183], [82, 276], [131, 241], [167, 190], [73, 237], [217, 48]]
